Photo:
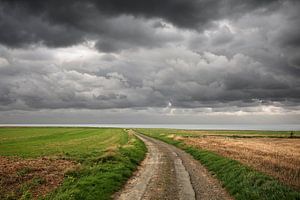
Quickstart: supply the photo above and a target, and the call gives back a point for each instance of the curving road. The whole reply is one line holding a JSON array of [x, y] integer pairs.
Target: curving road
[[169, 173]]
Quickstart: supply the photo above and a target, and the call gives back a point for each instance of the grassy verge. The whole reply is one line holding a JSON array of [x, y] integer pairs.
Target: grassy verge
[[102, 176], [242, 182], [106, 158]]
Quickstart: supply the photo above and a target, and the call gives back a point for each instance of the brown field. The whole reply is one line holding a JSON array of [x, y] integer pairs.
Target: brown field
[[37, 176], [278, 157]]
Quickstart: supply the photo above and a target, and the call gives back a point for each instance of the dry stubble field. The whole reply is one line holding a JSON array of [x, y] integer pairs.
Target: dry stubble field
[[278, 157]]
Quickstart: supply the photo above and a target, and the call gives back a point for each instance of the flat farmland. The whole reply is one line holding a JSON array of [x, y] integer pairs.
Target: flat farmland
[[278, 157], [59, 163], [250, 164], [275, 153], [36, 142]]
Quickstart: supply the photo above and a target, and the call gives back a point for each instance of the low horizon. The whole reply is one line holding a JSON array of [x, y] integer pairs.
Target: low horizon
[[257, 127]]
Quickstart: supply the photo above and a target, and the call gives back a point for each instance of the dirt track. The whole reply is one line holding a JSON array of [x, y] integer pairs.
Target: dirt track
[[169, 173]]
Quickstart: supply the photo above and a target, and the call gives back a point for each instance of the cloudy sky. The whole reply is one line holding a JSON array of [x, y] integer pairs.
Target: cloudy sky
[[141, 61]]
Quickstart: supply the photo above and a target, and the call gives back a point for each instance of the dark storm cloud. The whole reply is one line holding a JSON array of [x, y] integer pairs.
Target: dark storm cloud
[[63, 23], [211, 55], [20, 26]]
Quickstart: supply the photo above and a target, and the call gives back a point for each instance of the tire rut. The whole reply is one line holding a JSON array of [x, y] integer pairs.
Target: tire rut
[[169, 173]]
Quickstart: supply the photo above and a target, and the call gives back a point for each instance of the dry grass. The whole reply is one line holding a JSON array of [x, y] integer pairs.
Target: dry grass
[[278, 157], [38, 176]]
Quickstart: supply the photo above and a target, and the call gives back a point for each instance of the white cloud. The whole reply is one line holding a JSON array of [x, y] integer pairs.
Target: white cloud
[[3, 62]]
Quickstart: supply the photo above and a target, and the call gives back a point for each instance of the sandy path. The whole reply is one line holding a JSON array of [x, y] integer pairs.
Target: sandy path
[[169, 173]]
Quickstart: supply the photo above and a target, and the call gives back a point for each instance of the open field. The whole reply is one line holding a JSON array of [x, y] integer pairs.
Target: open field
[[229, 133], [94, 163], [262, 165], [278, 157], [36, 142], [60, 163]]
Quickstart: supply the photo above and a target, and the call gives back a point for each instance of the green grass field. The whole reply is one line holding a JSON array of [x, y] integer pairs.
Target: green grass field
[[107, 157], [241, 181], [35, 142]]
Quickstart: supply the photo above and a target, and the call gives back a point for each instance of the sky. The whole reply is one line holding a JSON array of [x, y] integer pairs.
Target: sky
[[141, 61]]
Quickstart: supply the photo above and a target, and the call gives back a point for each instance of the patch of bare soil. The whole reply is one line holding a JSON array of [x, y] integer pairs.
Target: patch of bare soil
[[19, 177], [278, 157]]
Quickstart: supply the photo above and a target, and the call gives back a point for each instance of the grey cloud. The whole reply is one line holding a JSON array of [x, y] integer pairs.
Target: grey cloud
[[222, 37], [180, 76], [295, 61], [214, 56], [268, 37], [109, 46], [126, 32], [65, 23], [50, 26], [20, 28]]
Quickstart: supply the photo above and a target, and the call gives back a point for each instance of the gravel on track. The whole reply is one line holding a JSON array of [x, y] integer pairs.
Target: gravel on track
[[171, 174]]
